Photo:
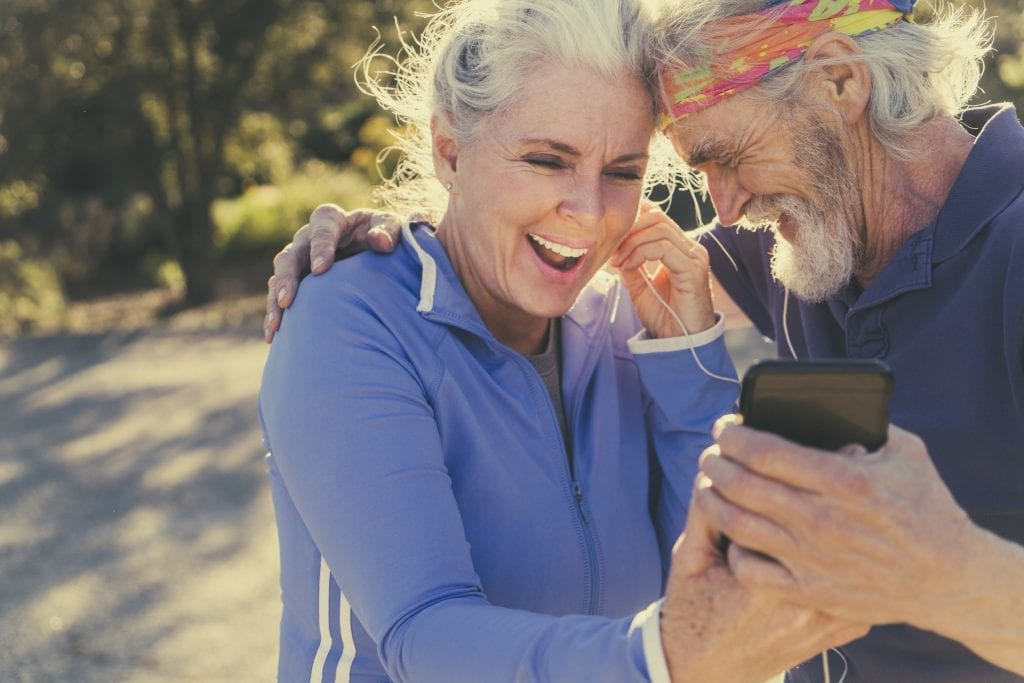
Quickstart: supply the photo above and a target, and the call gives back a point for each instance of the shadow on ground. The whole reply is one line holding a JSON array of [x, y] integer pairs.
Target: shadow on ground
[[136, 533]]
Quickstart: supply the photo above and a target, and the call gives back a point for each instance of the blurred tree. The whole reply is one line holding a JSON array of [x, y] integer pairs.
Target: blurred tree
[[112, 107], [122, 120]]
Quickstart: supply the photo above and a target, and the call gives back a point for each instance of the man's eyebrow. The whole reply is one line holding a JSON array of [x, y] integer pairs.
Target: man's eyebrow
[[707, 150], [566, 148]]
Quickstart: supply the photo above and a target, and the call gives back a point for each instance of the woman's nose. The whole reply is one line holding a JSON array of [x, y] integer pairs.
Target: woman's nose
[[584, 201]]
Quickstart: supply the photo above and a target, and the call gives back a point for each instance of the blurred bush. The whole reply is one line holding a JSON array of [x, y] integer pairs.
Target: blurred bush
[[30, 291], [123, 123], [264, 218]]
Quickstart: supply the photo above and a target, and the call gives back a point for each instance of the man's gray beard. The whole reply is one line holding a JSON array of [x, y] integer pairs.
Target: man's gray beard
[[822, 258], [820, 261]]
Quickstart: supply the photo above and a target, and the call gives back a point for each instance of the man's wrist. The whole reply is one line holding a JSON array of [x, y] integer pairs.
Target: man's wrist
[[986, 580]]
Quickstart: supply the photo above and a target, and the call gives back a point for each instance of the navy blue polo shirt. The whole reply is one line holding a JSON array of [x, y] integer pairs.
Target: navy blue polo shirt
[[947, 315]]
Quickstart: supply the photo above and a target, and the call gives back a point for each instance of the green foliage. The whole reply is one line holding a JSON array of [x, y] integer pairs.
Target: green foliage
[[30, 292], [264, 218], [17, 198], [137, 132], [164, 272], [183, 103], [260, 151]]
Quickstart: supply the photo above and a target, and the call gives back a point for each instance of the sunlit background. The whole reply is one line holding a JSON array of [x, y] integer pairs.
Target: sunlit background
[[154, 155]]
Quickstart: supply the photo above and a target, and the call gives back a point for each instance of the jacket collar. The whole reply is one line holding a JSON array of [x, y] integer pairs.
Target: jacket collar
[[442, 298]]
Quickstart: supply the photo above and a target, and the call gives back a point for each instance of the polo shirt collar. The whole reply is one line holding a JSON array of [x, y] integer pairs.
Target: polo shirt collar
[[986, 184], [984, 187]]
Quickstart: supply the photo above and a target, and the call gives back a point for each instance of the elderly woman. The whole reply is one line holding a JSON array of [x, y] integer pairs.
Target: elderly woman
[[482, 447]]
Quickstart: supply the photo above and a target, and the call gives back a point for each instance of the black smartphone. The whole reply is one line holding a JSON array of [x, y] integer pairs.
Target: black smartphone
[[824, 404]]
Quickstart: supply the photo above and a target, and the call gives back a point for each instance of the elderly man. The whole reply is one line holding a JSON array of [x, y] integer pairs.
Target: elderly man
[[896, 232], [901, 232]]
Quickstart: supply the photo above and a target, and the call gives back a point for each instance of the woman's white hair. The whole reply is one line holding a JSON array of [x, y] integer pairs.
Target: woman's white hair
[[918, 70], [473, 59]]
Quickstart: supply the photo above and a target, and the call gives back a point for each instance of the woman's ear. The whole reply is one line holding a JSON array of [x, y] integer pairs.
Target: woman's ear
[[446, 150], [844, 74]]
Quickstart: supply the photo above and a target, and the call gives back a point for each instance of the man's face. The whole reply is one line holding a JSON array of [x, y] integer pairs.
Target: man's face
[[791, 175]]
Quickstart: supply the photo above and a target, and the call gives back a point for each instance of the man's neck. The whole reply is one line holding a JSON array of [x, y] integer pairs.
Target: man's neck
[[902, 197]]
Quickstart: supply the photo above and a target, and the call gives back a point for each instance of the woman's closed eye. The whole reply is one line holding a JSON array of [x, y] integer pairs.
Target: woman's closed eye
[[549, 162], [554, 163], [625, 174]]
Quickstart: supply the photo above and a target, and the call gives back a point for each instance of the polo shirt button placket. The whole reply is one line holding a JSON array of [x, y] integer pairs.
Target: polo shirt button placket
[[867, 338]]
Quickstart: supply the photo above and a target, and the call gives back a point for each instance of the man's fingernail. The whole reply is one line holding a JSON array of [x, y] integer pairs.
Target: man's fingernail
[[319, 263], [381, 232], [281, 294]]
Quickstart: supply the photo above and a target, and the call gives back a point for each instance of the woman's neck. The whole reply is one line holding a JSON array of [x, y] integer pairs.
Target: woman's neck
[[510, 325]]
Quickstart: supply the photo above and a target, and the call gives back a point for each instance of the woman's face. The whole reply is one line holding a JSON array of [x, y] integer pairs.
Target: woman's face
[[543, 194]]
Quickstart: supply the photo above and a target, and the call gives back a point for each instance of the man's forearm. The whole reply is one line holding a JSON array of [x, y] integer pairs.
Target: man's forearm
[[986, 613]]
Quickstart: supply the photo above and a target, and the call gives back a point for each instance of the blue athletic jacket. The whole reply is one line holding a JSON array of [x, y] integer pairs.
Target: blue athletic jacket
[[430, 527]]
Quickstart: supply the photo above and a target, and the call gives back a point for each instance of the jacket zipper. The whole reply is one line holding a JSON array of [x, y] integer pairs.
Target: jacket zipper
[[576, 492], [590, 547], [590, 544]]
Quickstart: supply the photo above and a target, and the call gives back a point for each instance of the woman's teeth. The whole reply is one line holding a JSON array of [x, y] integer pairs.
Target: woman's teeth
[[558, 256], [560, 249]]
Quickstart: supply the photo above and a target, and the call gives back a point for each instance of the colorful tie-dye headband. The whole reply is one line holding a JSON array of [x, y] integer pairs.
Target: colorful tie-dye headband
[[764, 42]]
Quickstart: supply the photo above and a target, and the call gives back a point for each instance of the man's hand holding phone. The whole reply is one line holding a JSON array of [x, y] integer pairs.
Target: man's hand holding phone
[[865, 538]]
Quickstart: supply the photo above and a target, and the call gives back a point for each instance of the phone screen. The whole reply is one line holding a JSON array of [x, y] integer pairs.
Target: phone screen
[[822, 404]]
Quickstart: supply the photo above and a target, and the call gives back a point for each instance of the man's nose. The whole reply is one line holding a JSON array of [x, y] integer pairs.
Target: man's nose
[[727, 194]]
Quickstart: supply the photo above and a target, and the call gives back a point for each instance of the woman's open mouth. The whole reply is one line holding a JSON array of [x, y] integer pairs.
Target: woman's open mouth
[[559, 256]]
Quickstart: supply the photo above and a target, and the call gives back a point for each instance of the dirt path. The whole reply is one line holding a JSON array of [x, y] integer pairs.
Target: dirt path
[[136, 531], [137, 537]]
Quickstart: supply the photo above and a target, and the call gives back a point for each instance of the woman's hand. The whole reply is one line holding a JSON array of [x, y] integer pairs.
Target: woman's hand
[[713, 628], [682, 278]]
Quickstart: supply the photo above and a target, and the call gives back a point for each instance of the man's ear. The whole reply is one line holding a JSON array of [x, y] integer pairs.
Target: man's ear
[[844, 76], [446, 150]]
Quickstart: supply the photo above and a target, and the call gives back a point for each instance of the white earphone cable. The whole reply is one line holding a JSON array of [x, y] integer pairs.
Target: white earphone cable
[[785, 323], [686, 333]]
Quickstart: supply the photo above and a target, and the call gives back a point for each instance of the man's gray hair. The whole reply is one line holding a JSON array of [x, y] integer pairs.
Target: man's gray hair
[[918, 70]]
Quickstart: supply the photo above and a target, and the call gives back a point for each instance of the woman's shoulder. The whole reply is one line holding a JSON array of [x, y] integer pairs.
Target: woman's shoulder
[[365, 279], [361, 298]]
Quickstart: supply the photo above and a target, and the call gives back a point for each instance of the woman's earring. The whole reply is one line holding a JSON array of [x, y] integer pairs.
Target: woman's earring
[[448, 186]]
